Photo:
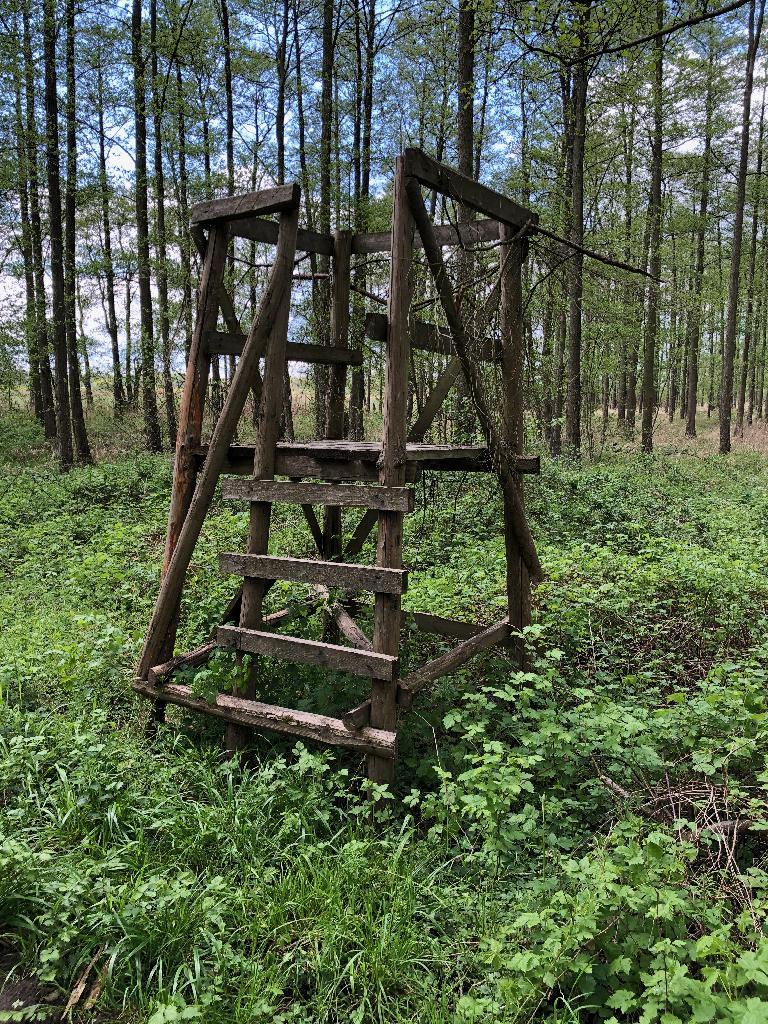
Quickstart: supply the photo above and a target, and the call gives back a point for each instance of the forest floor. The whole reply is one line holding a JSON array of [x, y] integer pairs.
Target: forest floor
[[579, 842]]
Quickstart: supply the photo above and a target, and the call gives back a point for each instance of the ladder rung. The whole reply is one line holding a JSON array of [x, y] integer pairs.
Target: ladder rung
[[309, 652], [384, 499], [225, 343], [271, 200], [307, 570], [256, 715]]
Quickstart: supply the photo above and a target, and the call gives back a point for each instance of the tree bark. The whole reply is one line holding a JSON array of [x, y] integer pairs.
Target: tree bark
[[694, 315], [654, 256], [118, 392], [41, 325], [160, 231], [756, 12], [63, 420], [30, 327], [576, 274], [747, 357], [70, 197], [148, 387]]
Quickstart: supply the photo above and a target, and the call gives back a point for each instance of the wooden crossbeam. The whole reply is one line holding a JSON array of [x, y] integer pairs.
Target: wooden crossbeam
[[374, 578], [427, 337], [344, 495], [371, 242], [447, 663], [441, 626], [357, 662], [449, 182], [271, 200], [296, 460], [255, 715], [266, 231], [231, 344]]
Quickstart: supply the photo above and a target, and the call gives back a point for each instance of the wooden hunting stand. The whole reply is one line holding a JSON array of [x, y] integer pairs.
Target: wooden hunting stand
[[334, 472]]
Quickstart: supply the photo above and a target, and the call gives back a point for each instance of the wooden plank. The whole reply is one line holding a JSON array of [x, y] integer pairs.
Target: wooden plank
[[358, 717], [368, 664], [496, 444], [447, 663], [255, 715], [478, 231], [297, 460], [449, 182], [343, 495], [172, 584], [266, 231], [226, 343], [441, 626], [427, 337], [307, 570], [392, 464], [271, 200]]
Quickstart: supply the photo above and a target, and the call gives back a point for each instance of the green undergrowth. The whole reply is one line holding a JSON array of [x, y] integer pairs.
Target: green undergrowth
[[578, 841]]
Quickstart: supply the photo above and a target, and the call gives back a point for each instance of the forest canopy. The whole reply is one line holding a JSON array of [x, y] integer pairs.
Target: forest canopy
[[635, 131]]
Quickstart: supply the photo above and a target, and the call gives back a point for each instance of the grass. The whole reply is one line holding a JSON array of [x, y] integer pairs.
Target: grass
[[553, 849]]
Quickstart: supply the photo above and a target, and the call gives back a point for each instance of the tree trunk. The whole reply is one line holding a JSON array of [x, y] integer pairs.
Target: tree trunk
[[324, 225], [75, 394], [576, 275], [30, 327], [148, 388], [118, 393], [746, 355], [63, 420], [41, 325], [286, 411], [756, 11], [185, 248], [654, 255], [694, 315], [160, 240]]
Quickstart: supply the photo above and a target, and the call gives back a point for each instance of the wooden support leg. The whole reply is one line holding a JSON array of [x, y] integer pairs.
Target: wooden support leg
[[167, 601], [189, 434], [386, 632], [267, 432], [334, 416], [512, 255]]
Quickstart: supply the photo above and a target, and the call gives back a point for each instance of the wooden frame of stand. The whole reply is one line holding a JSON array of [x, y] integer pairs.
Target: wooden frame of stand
[[373, 476]]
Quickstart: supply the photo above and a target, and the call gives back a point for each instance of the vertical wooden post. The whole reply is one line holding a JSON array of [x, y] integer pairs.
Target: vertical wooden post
[[267, 432], [512, 255], [189, 434], [337, 384], [389, 552]]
